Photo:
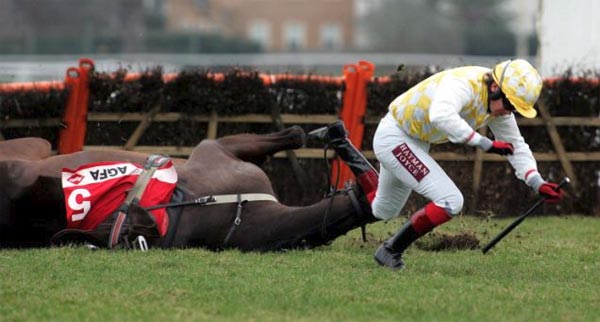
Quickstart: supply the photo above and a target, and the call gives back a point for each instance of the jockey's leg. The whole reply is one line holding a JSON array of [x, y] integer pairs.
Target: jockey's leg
[[366, 175], [420, 223], [421, 174]]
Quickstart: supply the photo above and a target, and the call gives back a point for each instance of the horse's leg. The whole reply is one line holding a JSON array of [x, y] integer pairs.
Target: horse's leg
[[31, 207], [366, 175], [255, 147], [6, 218], [25, 149]]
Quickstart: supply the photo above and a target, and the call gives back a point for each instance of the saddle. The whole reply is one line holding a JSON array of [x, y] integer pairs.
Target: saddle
[[130, 224]]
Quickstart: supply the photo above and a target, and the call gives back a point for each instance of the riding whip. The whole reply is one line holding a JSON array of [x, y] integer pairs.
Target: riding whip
[[522, 217]]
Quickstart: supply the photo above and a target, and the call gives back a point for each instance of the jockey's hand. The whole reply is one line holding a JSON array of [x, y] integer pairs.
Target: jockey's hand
[[551, 192], [487, 145], [501, 147]]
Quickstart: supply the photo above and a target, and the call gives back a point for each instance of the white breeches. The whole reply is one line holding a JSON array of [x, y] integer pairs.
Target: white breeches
[[406, 166]]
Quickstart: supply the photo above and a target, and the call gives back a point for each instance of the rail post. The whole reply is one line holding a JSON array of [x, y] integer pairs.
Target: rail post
[[71, 136], [354, 107]]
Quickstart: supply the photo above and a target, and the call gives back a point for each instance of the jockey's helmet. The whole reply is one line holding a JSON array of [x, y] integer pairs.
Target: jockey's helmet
[[521, 83]]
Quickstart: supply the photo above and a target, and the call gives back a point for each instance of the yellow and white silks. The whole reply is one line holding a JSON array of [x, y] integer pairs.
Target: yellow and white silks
[[448, 106]]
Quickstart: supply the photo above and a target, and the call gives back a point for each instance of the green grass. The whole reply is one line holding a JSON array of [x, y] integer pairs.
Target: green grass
[[548, 269]]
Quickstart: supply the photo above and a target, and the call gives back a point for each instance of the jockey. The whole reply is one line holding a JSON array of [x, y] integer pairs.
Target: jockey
[[450, 106]]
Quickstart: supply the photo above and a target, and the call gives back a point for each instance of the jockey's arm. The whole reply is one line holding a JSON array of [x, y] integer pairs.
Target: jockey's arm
[[505, 128]]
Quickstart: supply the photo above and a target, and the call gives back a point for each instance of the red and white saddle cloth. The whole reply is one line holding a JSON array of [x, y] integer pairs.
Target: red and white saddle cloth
[[94, 191]]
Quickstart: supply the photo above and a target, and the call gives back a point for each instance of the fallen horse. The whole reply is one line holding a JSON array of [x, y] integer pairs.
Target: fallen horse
[[33, 208]]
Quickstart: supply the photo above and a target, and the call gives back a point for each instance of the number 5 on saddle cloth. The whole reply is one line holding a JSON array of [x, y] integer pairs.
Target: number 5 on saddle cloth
[[105, 201]]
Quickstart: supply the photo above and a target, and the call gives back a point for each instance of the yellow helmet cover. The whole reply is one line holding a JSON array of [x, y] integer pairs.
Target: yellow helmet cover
[[521, 83]]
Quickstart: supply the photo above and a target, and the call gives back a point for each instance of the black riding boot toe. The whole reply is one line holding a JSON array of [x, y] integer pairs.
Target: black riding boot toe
[[331, 133], [384, 256]]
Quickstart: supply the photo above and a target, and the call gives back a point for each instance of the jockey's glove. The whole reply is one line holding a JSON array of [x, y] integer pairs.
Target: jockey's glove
[[487, 145], [549, 190]]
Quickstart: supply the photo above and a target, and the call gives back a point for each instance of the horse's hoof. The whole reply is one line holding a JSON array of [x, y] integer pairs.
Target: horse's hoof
[[330, 133], [388, 258], [300, 136]]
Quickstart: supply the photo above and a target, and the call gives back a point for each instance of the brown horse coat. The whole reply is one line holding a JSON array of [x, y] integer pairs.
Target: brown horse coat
[[32, 206]]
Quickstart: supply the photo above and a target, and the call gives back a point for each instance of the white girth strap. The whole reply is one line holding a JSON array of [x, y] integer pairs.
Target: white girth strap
[[218, 199]]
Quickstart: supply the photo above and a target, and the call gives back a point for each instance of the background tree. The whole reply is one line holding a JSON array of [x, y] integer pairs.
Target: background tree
[[412, 26], [474, 27], [484, 25]]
